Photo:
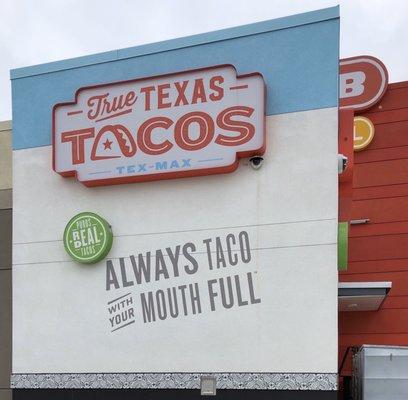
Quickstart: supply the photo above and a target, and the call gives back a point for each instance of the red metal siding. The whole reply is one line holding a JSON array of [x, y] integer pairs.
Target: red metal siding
[[378, 251]]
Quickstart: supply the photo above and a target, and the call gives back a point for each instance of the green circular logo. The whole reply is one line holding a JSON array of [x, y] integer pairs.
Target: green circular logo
[[88, 238]]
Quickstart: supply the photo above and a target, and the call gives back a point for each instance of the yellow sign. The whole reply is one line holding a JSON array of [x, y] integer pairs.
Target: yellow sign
[[363, 133]]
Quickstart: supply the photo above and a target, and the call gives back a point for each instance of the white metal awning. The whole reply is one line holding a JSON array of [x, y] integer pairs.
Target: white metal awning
[[362, 296]]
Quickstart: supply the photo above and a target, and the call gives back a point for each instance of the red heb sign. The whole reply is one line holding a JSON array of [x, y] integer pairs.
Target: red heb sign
[[363, 81], [185, 124]]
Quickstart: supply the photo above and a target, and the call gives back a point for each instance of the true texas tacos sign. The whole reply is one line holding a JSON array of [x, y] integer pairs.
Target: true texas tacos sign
[[185, 124]]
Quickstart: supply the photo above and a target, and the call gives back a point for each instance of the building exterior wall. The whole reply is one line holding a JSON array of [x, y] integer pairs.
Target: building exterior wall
[[289, 208], [5, 258], [309, 236], [378, 250]]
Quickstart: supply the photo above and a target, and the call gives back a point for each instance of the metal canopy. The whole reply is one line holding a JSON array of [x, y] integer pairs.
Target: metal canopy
[[362, 296]]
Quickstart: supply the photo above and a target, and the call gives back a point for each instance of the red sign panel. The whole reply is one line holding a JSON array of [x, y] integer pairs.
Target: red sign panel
[[363, 81], [178, 125]]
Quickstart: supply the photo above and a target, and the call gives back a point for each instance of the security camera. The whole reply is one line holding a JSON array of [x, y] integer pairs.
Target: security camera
[[256, 162], [341, 163]]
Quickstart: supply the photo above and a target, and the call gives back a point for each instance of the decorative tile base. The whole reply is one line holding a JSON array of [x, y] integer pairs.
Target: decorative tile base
[[265, 381]]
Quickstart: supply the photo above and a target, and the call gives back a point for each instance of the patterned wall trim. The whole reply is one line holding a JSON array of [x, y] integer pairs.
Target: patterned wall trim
[[271, 381]]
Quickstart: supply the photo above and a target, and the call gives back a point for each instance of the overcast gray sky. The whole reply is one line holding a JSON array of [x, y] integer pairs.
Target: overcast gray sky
[[40, 31]]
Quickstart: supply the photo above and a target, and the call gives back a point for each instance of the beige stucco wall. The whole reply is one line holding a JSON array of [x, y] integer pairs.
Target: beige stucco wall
[[5, 165], [5, 155], [5, 258]]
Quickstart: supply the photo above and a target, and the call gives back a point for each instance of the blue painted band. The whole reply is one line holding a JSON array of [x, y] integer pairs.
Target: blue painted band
[[167, 45], [299, 65]]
